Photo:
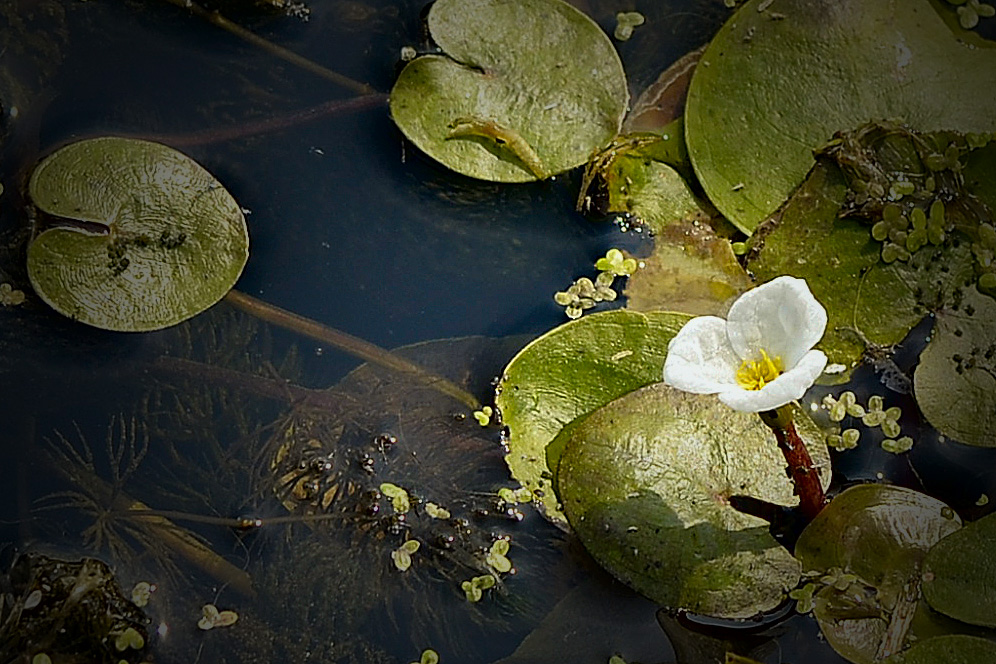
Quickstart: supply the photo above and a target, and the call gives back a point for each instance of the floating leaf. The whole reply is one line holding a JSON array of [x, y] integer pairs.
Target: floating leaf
[[767, 92], [960, 574], [646, 483], [947, 649], [880, 534], [569, 372], [129, 638], [691, 270], [870, 304], [152, 238], [526, 89], [955, 382], [640, 182]]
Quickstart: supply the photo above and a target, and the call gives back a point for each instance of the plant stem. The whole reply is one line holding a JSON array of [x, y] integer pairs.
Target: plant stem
[[352, 345], [801, 470], [294, 118], [217, 19]]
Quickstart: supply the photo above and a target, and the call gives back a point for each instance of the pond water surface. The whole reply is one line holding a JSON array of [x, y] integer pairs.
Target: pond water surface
[[353, 228]]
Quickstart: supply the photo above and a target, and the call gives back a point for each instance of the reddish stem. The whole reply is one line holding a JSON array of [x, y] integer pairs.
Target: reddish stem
[[801, 470]]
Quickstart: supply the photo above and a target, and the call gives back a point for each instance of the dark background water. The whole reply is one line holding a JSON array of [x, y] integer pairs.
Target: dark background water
[[348, 224]]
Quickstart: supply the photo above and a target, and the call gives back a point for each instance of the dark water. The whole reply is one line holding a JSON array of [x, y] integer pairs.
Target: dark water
[[355, 229]]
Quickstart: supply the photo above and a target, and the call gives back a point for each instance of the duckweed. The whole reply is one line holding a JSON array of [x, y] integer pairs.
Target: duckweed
[[402, 556], [399, 497], [437, 512], [496, 556], [141, 593], [515, 496], [625, 22], [130, 638], [483, 416], [850, 438], [804, 597], [616, 263], [474, 588], [212, 617], [10, 296], [897, 445], [429, 656]]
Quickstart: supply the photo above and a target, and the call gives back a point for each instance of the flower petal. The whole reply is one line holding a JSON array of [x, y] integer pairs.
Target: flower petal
[[788, 387], [781, 316], [700, 359]]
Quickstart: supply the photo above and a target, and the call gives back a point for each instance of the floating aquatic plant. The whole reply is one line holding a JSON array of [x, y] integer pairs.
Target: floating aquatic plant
[[584, 293], [497, 558], [483, 416], [428, 656], [625, 23], [617, 263], [759, 359], [10, 296], [211, 617], [402, 556], [400, 500], [474, 588], [146, 236]]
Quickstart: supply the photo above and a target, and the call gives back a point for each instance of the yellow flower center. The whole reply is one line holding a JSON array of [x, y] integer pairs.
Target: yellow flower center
[[753, 375]]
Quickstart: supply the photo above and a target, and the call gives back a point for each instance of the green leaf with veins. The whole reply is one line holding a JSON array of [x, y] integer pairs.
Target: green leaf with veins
[[960, 574], [767, 92], [143, 237], [947, 649], [569, 372], [955, 382], [843, 258], [646, 483], [524, 89], [880, 534]]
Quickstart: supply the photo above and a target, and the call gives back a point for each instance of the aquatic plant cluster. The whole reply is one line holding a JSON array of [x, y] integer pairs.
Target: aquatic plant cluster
[[695, 434]]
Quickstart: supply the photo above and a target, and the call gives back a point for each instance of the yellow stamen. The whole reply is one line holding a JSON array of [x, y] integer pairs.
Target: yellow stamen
[[753, 375]]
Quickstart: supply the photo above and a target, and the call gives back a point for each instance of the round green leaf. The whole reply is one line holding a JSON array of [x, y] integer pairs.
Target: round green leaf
[[570, 371], [955, 382], [146, 237], [646, 483], [871, 304], [948, 649], [767, 92], [526, 89], [960, 574], [880, 534]]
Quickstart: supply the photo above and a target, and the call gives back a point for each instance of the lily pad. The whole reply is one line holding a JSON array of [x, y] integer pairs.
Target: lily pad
[[526, 89], [569, 372], [146, 237], [836, 237], [691, 270], [880, 534], [949, 649], [646, 483], [767, 92], [827, 237], [960, 574], [955, 382]]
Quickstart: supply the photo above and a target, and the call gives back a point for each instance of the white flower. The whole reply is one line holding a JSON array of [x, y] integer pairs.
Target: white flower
[[761, 356]]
